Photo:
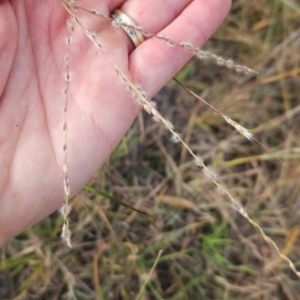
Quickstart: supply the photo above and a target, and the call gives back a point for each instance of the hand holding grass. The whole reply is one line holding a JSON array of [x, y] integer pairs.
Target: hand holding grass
[[32, 50]]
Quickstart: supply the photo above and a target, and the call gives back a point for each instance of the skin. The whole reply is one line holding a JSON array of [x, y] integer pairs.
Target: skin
[[32, 50]]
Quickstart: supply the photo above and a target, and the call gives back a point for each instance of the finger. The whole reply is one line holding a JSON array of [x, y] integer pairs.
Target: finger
[[8, 41], [154, 63], [152, 15], [110, 4], [92, 22], [113, 4]]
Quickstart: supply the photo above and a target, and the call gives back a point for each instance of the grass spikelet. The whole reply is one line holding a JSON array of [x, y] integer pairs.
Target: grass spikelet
[[73, 4], [210, 173], [65, 210], [66, 235], [199, 161], [175, 138], [242, 130], [171, 43], [186, 45]]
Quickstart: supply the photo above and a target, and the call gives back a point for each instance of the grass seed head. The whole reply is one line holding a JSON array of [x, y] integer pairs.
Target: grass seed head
[[66, 235]]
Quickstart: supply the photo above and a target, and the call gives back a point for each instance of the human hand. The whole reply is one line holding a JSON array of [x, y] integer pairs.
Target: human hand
[[32, 50]]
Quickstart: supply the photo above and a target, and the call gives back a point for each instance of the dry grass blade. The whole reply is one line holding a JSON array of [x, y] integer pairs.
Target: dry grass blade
[[141, 292], [178, 202]]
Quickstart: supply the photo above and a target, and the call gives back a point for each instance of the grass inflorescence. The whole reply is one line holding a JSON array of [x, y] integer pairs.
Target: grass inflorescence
[[210, 251]]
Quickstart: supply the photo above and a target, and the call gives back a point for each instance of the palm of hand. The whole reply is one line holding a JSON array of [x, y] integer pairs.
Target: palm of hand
[[31, 88]]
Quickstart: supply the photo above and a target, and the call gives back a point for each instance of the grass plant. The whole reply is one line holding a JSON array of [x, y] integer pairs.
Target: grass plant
[[210, 251]]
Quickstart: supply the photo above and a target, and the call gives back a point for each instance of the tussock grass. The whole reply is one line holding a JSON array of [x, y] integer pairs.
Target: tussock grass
[[210, 251]]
